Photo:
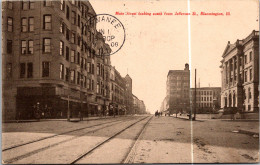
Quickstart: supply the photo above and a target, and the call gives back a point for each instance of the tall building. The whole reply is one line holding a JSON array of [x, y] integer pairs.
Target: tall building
[[240, 74], [129, 95], [178, 90], [118, 87], [207, 99], [54, 59]]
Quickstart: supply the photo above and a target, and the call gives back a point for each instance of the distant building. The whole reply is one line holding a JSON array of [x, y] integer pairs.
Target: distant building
[[164, 106], [138, 106], [129, 95], [178, 90], [240, 74], [207, 99], [118, 87]]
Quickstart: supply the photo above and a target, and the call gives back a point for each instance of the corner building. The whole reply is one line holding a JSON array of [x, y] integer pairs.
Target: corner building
[[240, 74], [53, 57], [178, 90]]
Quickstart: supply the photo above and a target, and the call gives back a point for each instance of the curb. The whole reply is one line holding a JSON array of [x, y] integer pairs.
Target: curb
[[248, 132], [188, 119], [42, 120]]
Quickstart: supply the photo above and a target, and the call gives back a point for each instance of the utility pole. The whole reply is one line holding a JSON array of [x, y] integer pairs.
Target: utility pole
[[195, 103]]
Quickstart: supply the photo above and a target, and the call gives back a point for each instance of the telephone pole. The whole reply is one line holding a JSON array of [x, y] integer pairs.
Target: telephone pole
[[195, 103]]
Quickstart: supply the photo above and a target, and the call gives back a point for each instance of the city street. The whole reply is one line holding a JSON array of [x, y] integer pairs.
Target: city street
[[129, 139]]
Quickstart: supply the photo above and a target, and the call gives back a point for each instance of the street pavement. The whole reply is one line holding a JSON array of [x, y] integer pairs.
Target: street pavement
[[131, 139]]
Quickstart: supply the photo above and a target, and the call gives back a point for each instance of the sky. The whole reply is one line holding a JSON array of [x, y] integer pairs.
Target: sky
[[156, 44]]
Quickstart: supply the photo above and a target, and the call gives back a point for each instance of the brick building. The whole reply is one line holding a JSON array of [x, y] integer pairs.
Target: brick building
[[129, 95], [207, 99], [138, 106], [240, 74], [53, 58], [178, 90], [118, 87]]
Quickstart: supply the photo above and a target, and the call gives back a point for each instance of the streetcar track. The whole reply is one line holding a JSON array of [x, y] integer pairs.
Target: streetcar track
[[63, 141], [107, 140], [47, 137], [130, 156]]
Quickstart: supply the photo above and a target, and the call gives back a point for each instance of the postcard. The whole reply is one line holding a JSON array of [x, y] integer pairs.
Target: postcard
[[132, 82]]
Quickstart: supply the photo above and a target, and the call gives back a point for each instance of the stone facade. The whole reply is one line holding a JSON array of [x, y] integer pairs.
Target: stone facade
[[240, 74]]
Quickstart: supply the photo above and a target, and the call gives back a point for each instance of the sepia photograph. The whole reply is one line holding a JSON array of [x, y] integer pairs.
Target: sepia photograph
[[130, 82]]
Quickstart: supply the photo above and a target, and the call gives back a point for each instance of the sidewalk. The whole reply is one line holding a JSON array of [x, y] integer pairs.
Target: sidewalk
[[72, 119], [251, 131]]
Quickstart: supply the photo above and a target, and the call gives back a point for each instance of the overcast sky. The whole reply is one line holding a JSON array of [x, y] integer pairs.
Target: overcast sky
[[156, 44]]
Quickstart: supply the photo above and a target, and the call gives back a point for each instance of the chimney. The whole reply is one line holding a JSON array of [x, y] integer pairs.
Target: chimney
[[186, 66]]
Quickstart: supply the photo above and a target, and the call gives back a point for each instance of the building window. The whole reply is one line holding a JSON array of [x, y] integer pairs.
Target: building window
[[67, 53], [84, 81], [9, 46], [249, 107], [25, 5], [78, 20], [62, 5], [81, 62], [78, 78], [84, 63], [88, 84], [78, 58], [10, 5], [72, 56], [30, 47], [79, 40], [46, 45], [250, 56], [92, 68], [245, 59], [31, 24], [29, 70], [9, 70], [245, 77], [61, 71], [73, 16], [67, 34], [67, 76], [98, 87], [62, 28], [249, 93], [45, 69], [73, 38], [31, 5], [24, 46], [24, 24], [61, 48], [88, 67], [72, 76], [92, 85], [250, 74], [47, 22], [47, 3], [22, 70], [68, 12], [10, 24]]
